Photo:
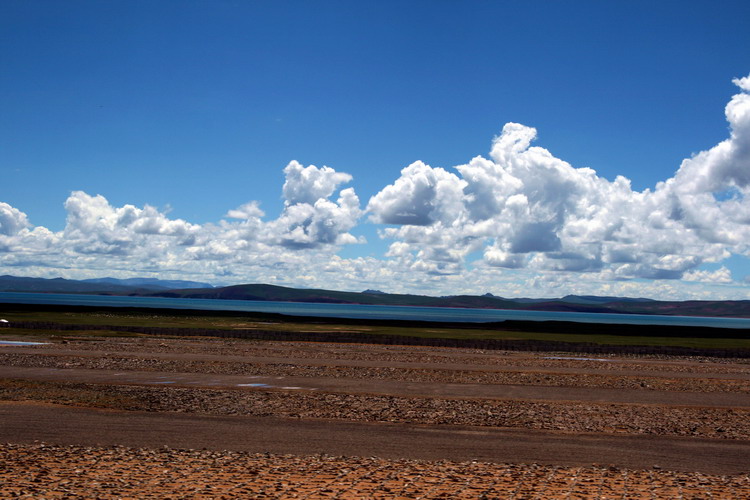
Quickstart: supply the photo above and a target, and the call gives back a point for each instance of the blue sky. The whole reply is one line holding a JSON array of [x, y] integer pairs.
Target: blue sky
[[195, 109]]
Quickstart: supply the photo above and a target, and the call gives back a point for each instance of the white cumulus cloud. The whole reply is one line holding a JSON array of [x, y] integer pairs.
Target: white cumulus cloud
[[721, 275], [12, 220], [310, 184], [100, 238], [525, 208], [421, 196]]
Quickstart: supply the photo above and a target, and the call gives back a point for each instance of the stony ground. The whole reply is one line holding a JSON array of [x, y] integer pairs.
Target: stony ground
[[60, 472], [408, 375]]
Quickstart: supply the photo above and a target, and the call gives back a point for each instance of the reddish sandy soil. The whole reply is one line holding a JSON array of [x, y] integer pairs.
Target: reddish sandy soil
[[296, 420]]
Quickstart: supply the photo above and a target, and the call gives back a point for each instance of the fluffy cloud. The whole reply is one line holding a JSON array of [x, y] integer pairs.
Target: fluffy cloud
[[310, 184], [12, 220], [94, 226], [17, 239], [526, 209], [247, 211], [310, 219], [721, 275], [101, 238], [420, 197]]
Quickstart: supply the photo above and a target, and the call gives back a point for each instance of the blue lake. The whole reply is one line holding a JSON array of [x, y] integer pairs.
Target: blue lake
[[445, 314]]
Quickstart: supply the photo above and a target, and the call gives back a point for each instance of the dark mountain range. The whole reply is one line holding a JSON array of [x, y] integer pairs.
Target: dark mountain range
[[95, 286], [583, 299], [284, 294], [196, 290]]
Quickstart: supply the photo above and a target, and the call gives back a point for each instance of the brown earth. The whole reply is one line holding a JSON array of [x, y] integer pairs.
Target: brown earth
[[313, 420]]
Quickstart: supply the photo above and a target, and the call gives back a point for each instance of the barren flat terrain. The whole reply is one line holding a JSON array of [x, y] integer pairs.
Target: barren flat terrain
[[118, 417]]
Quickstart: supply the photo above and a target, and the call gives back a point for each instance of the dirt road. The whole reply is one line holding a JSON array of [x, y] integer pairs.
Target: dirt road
[[30, 422]]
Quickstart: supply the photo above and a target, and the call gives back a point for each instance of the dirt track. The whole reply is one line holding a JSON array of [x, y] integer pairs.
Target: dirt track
[[28, 422], [686, 416]]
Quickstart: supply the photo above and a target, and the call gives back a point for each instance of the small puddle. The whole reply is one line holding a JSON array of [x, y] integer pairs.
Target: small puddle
[[18, 342], [268, 386]]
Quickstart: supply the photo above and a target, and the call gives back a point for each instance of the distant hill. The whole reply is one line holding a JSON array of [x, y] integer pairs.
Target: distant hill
[[284, 294], [710, 308], [592, 299], [150, 283], [583, 299], [620, 305], [93, 286]]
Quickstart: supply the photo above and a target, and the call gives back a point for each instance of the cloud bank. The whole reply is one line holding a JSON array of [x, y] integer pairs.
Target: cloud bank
[[520, 222]]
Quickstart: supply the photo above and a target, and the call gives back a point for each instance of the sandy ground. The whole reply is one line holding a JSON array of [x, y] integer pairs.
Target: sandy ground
[[307, 420]]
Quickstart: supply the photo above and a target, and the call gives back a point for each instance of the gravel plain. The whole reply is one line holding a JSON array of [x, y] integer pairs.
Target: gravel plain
[[46, 471]]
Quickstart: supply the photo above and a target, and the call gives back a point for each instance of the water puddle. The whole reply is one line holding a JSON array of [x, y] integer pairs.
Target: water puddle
[[18, 342], [268, 386]]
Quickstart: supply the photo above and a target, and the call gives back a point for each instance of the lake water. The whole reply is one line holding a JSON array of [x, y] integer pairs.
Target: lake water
[[445, 314]]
